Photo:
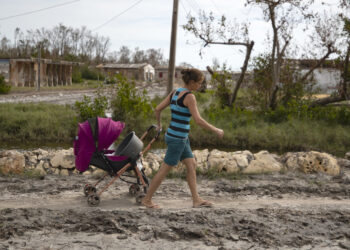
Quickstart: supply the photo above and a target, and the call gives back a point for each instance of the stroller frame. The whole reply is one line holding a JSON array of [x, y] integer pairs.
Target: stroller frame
[[101, 161]]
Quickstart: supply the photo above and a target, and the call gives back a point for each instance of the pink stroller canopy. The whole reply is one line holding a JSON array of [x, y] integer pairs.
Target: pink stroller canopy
[[94, 135]]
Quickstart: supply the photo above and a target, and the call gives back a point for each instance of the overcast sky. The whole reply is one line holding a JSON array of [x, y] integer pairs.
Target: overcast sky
[[146, 25]]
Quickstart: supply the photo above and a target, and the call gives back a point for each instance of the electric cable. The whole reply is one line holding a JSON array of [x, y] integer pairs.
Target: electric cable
[[118, 15], [183, 6], [39, 10]]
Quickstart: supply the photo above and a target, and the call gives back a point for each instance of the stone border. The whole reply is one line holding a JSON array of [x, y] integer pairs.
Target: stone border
[[61, 162]]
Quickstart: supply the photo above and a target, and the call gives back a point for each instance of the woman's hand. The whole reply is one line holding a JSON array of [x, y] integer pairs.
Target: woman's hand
[[219, 132]]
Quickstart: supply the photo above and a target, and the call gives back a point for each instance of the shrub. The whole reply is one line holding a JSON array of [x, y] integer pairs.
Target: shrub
[[76, 75], [91, 73], [130, 105], [223, 82], [89, 108], [4, 88]]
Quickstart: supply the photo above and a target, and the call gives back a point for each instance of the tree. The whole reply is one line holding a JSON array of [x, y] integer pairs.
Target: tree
[[283, 16], [344, 56], [124, 55], [218, 31], [155, 57], [139, 56], [185, 65]]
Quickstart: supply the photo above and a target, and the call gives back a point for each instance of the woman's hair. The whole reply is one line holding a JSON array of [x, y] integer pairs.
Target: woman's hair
[[191, 74]]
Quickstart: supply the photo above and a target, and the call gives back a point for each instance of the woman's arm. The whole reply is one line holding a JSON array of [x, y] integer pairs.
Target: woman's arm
[[191, 102], [165, 103]]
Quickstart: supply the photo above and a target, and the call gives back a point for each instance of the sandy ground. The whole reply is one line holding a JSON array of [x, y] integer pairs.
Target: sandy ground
[[56, 97], [279, 211], [70, 96]]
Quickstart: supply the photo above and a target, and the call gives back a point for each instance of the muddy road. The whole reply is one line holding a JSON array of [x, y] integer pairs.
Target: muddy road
[[277, 211]]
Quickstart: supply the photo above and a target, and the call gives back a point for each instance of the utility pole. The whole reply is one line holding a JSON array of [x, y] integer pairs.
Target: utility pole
[[39, 66], [171, 69]]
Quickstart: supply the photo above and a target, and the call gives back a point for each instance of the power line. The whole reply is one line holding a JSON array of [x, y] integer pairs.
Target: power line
[[197, 5], [183, 6], [191, 5], [118, 15], [216, 6], [35, 11]]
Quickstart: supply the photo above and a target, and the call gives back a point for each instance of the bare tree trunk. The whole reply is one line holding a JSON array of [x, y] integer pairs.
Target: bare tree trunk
[[329, 52], [346, 73], [243, 71], [233, 96], [274, 61], [273, 102], [210, 70], [327, 100], [343, 95]]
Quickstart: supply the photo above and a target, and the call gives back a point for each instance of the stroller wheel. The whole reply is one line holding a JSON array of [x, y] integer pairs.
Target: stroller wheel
[[139, 198], [93, 200], [89, 189], [134, 189]]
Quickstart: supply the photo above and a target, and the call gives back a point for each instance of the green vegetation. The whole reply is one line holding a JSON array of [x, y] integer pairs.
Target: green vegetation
[[27, 174], [4, 88], [290, 127], [32, 174], [85, 72], [89, 108], [38, 124], [130, 106]]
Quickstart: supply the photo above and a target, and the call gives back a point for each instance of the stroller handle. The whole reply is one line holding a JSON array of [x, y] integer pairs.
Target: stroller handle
[[153, 126]]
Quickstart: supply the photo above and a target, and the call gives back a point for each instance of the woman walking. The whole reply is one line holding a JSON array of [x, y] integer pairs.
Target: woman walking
[[183, 106]]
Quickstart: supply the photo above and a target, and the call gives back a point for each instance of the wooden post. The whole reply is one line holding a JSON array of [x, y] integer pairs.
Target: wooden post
[[39, 66], [171, 69]]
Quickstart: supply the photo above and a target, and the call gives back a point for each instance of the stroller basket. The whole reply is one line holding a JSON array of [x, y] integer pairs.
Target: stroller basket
[[131, 146]]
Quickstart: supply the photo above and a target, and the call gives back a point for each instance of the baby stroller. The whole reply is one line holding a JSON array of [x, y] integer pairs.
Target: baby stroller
[[92, 147]]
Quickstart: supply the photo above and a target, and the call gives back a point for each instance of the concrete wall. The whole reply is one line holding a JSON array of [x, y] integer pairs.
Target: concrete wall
[[161, 75], [327, 79], [25, 73]]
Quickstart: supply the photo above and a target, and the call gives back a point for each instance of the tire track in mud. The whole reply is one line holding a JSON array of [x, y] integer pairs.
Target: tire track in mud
[[267, 211], [267, 227]]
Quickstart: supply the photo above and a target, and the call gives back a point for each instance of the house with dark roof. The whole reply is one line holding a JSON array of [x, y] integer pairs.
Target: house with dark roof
[[135, 71]]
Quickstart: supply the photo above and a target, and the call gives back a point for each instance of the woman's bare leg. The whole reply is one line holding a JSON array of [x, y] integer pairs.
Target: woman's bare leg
[[155, 183], [192, 183]]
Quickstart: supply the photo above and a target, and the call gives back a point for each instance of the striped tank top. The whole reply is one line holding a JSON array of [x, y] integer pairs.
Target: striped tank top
[[180, 116]]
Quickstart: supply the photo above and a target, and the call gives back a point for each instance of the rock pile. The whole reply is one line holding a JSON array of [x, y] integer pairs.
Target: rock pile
[[61, 162]]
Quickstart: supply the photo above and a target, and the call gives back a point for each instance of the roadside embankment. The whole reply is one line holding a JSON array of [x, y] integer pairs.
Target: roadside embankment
[[209, 163]]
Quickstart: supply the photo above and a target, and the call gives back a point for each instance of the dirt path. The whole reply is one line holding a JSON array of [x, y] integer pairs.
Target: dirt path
[[289, 211], [57, 97], [66, 96]]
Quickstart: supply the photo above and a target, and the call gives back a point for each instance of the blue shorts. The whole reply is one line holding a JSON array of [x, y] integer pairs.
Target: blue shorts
[[178, 150]]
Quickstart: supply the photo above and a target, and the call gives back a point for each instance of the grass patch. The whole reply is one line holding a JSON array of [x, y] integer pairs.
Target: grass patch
[[32, 174], [27, 174], [40, 123], [284, 130]]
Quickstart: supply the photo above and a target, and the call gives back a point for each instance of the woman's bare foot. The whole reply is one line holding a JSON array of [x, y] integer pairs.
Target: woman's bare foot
[[149, 204], [202, 203]]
